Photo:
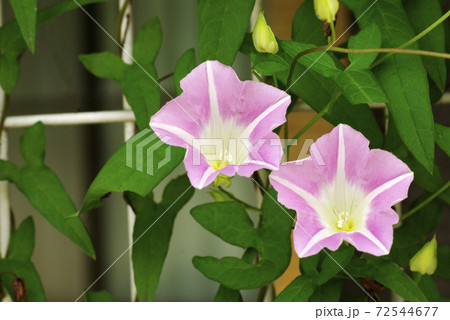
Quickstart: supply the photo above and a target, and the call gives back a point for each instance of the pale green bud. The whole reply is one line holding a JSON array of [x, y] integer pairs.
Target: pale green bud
[[263, 37], [425, 260], [326, 9]]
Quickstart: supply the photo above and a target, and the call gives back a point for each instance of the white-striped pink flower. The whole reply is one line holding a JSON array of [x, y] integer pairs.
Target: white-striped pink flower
[[224, 124], [347, 197]]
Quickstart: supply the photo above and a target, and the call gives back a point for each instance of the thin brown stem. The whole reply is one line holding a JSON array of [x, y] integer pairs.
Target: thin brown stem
[[119, 25], [6, 104], [167, 76], [361, 51]]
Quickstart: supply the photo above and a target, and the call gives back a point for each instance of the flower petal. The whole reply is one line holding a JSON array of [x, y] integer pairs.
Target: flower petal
[[366, 241], [248, 102], [377, 236], [386, 179], [298, 186], [309, 241], [264, 153], [199, 171]]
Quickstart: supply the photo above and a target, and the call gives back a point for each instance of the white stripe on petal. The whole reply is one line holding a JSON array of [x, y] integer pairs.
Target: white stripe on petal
[[319, 236], [262, 163], [180, 133], [213, 101], [369, 235], [310, 199], [246, 133], [385, 186], [340, 174], [205, 176]]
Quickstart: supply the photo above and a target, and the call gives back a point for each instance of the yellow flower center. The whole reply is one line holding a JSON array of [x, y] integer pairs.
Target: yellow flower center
[[344, 223], [219, 164]]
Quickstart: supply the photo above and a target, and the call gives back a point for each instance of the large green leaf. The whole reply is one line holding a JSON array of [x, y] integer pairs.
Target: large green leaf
[[326, 264], [221, 28], [26, 271], [45, 192], [21, 243], [225, 294], [139, 165], [298, 290], [389, 275], [316, 91], [328, 292], [317, 61], [47, 195], [32, 145], [148, 42], [152, 233], [368, 38], [139, 81], [443, 137], [422, 14], [274, 243], [98, 296], [140, 87], [267, 64], [25, 12], [230, 222], [184, 65], [428, 287], [8, 170], [12, 44], [334, 262], [360, 86], [18, 264], [9, 72], [429, 182], [306, 27], [53, 11], [410, 237], [403, 77], [442, 270], [104, 65]]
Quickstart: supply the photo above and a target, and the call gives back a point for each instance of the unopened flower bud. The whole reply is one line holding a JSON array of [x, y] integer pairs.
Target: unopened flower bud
[[425, 260], [326, 9], [263, 38]]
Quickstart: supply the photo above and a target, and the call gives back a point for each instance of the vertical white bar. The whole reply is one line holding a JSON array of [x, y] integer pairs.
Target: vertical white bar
[[128, 128], [5, 218]]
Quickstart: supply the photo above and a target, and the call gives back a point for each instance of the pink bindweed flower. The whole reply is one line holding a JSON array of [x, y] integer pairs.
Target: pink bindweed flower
[[224, 124], [348, 197]]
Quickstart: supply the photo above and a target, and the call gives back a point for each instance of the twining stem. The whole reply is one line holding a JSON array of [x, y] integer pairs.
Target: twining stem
[[256, 75], [375, 50], [333, 33], [275, 81], [427, 30], [6, 104], [167, 76], [246, 205], [286, 136], [119, 25], [390, 51], [426, 201], [416, 38], [417, 277], [323, 112]]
